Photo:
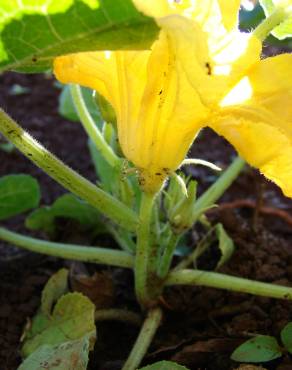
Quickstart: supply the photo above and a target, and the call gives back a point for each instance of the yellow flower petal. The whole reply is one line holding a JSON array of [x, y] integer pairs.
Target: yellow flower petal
[[271, 81], [256, 117], [265, 94], [158, 111], [118, 76], [262, 145], [204, 12], [229, 10], [212, 73], [156, 106], [235, 54], [156, 8], [169, 117], [215, 17]]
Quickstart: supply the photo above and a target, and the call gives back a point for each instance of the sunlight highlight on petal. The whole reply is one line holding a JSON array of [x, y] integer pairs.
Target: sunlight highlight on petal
[[107, 54], [239, 94]]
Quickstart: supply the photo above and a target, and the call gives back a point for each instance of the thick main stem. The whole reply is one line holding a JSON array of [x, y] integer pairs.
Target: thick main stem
[[65, 176], [69, 251], [216, 190], [92, 129], [221, 281], [144, 339], [145, 255]]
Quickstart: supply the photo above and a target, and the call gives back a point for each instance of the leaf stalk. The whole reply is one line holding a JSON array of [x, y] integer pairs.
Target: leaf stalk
[[97, 255], [65, 176]]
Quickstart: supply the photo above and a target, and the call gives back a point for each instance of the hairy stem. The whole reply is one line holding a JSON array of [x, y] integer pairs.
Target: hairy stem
[[69, 251], [92, 129], [65, 176], [144, 339], [221, 281], [216, 190], [263, 30]]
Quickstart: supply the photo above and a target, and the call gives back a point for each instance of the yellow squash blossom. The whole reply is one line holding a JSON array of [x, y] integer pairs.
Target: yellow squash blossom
[[201, 71]]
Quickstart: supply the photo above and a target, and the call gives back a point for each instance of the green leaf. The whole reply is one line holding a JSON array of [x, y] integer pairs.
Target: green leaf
[[164, 365], [41, 219], [106, 173], [68, 355], [72, 207], [262, 348], [67, 109], [284, 29], [72, 318], [33, 32], [226, 245], [106, 109], [56, 286], [16, 90], [18, 194], [7, 147], [67, 206], [286, 337]]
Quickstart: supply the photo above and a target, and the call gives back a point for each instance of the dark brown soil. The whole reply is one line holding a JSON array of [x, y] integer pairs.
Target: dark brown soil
[[201, 326]]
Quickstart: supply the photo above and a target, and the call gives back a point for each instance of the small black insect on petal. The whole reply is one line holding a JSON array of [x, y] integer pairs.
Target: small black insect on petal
[[208, 67]]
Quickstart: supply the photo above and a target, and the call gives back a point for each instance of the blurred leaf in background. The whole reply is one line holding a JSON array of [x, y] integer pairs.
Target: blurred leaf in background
[[67, 109], [18, 194]]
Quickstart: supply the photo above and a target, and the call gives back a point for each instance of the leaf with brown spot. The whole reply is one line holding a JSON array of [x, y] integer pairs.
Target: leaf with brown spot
[[64, 356], [71, 319], [99, 288]]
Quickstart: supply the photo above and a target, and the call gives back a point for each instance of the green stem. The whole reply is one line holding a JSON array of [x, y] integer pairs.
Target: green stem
[[65, 176], [200, 249], [263, 30], [123, 239], [144, 339], [97, 255], [118, 314], [167, 256], [216, 190], [145, 261], [221, 281], [92, 129]]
